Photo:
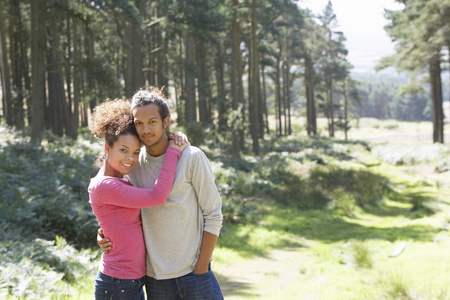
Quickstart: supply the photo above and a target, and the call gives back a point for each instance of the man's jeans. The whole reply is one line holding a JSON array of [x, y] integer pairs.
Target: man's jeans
[[107, 287], [188, 287]]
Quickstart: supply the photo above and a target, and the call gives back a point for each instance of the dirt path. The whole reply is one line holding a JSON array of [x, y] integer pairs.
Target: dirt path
[[264, 276]]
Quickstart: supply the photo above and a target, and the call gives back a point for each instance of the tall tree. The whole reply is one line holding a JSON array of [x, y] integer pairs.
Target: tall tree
[[236, 71], [419, 30], [310, 45], [38, 41], [254, 79], [5, 72], [134, 75], [16, 33], [334, 63]]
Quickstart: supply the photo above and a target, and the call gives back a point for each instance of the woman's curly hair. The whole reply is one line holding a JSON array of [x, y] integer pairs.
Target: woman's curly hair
[[111, 119]]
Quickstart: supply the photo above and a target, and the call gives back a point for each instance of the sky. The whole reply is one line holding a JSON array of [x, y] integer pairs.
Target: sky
[[362, 23]]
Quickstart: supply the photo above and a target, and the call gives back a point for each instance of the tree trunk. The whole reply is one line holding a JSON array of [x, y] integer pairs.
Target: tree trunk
[[436, 98], [202, 83], [38, 44], [330, 108], [181, 98], [190, 107], [76, 77], [264, 100], [237, 90], [59, 112], [345, 109], [72, 130], [287, 84], [89, 78], [311, 118], [220, 82], [134, 75], [15, 30], [278, 97], [5, 72], [254, 80]]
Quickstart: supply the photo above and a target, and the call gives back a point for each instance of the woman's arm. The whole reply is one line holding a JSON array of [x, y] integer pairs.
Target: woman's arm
[[114, 191]]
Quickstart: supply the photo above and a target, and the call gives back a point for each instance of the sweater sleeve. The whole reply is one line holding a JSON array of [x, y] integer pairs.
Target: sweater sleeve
[[207, 193], [114, 191]]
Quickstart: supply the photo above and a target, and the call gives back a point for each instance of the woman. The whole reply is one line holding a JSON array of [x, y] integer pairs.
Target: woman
[[116, 203]]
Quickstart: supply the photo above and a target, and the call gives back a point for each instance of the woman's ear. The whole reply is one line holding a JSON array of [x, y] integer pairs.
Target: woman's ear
[[107, 148]]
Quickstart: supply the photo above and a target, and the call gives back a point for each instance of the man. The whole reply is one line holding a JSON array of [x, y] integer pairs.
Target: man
[[180, 235]]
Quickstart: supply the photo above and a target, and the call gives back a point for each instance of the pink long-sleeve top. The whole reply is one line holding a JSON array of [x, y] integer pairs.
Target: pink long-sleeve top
[[116, 204]]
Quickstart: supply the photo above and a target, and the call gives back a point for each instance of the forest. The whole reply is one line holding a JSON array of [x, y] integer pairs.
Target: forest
[[266, 90], [228, 65]]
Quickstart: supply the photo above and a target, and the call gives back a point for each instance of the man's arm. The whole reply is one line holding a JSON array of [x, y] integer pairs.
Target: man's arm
[[208, 244], [210, 203]]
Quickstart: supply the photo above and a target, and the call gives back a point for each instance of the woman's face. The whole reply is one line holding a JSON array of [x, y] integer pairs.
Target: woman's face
[[122, 156]]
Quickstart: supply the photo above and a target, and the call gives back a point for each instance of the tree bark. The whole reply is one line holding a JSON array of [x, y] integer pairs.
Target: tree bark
[[5, 72], [436, 98], [59, 111], [38, 43], [237, 90], [264, 99], [76, 78], [134, 75], [202, 83], [220, 82], [278, 97], [254, 80], [190, 107], [15, 29], [311, 119]]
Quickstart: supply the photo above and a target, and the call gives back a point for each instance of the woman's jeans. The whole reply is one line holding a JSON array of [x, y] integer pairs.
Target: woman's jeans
[[107, 287]]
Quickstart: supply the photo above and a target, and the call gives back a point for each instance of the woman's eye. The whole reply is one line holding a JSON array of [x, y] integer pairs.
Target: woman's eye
[[123, 150]]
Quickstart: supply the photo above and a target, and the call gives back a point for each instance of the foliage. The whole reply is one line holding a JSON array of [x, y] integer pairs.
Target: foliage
[[32, 269], [44, 187]]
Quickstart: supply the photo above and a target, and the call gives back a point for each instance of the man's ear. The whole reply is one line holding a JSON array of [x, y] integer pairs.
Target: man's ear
[[166, 122]]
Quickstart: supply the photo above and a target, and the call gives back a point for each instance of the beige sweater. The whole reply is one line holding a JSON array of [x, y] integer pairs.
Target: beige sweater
[[173, 231]]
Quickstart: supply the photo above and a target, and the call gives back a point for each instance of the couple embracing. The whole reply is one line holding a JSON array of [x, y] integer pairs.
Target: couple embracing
[[168, 244]]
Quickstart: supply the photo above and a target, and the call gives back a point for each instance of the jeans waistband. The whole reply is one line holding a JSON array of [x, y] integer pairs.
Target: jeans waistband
[[114, 279]]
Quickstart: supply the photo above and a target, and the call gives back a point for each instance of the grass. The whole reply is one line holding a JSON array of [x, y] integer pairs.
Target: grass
[[323, 254]]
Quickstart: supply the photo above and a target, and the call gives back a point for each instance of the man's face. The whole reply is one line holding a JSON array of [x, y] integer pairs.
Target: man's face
[[149, 125]]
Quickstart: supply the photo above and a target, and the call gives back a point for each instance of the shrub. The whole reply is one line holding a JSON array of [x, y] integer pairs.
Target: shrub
[[44, 188], [38, 268]]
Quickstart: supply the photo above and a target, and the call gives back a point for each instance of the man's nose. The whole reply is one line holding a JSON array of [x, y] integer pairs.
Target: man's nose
[[146, 127]]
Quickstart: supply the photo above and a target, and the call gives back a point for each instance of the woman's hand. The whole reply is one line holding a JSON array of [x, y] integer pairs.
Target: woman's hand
[[179, 138], [179, 147]]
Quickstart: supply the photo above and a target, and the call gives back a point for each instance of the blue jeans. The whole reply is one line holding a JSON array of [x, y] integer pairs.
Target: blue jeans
[[107, 287], [188, 287]]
